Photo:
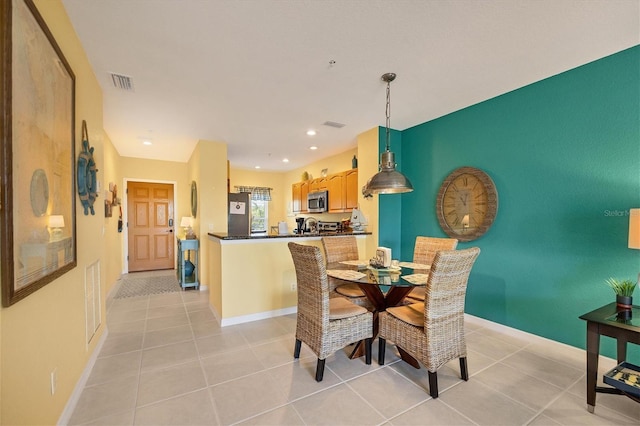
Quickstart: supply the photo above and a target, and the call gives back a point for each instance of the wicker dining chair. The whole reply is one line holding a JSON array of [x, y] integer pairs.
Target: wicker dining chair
[[433, 331], [325, 324], [424, 252], [337, 249]]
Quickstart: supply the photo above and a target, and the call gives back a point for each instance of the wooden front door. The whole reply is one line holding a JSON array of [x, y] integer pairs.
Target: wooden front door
[[150, 226]]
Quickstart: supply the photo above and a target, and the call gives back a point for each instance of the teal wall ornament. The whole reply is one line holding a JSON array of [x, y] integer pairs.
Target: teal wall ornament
[[87, 181]]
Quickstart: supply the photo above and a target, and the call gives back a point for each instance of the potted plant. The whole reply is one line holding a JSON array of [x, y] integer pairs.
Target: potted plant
[[624, 291]]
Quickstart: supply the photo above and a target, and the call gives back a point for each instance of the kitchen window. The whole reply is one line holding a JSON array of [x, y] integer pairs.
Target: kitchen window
[[259, 216], [260, 197]]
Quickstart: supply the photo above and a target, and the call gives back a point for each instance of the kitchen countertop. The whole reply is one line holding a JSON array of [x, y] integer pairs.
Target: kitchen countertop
[[225, 236]]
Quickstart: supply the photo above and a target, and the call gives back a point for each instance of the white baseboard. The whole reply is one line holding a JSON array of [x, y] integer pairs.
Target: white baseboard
[[513, 331], [254, 317], [499, 327], [82, 381]]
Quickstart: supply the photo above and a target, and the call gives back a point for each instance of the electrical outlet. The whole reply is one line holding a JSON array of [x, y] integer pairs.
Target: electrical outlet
[[54, 380], [293, 286]]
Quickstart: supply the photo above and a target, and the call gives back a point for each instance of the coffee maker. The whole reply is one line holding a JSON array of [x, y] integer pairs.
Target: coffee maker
[[300, 222]]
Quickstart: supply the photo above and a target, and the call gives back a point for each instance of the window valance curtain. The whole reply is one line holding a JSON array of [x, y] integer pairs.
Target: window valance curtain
[[258, 193]]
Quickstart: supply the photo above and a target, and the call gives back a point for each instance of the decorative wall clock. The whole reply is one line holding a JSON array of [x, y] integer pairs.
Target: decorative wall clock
[[467, 204]]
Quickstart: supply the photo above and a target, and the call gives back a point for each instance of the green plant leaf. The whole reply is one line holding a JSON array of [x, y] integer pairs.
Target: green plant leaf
[[621, 287]]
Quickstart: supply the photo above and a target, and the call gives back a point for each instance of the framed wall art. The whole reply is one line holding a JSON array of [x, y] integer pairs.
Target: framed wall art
[[37, 155]]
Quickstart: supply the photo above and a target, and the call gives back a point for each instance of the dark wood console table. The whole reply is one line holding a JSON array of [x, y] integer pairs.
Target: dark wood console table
[[608, 321]]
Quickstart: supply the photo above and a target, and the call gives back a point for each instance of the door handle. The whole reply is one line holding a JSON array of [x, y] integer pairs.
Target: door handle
[[170, 230]]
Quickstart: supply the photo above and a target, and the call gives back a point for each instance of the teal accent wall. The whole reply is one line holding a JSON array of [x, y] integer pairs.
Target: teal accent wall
[[390, 207], [564, 154]]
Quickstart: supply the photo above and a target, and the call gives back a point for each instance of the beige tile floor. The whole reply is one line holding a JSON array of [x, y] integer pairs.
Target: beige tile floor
[[166, 361]]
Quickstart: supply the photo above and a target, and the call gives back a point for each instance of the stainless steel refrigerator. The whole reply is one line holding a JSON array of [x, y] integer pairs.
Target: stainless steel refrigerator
[[239, 223]]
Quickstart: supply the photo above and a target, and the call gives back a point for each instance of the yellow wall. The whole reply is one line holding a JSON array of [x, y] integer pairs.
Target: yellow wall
[[114, 240], [277, 210], [268, 281], [208, 167], [193, 167], [46, 330], [367, 167], [214, 260]]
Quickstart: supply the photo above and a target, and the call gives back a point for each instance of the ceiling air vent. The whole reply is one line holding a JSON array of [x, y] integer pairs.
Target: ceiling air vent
[[122, 82], [333, 124]]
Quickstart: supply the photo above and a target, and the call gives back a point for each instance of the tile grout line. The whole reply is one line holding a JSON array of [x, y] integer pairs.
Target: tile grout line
[[553, 400], [291, 402], [210, 397], [385, 419], [458, 412], [144, 335]]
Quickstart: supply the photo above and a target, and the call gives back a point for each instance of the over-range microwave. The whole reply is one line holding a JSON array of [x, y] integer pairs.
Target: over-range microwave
[[318, 202]]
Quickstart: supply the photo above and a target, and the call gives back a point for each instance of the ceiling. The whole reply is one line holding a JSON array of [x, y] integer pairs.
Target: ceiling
[[257, 74]]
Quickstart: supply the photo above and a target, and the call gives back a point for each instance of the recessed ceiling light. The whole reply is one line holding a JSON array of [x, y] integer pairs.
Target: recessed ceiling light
[[257, 167], [311, 132], [146, 143], [313, 148], [285, 160]]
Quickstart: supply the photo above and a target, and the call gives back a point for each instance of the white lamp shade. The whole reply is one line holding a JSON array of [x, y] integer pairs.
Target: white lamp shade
[[185, 222], [56, 221], [634, 228]]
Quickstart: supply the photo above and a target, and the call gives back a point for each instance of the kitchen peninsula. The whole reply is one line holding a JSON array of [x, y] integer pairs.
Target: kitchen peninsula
[[253, 277]]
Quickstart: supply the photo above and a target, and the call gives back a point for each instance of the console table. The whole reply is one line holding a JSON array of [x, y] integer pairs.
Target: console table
[[605, 321], [188, 252], [40, 258]]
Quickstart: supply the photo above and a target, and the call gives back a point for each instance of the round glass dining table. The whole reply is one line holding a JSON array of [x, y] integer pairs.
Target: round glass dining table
[[383, 287]]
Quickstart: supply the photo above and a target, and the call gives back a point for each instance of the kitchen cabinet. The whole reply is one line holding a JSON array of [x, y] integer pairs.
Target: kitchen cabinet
[[336, 192], [304, 191], [342, 187], [299, 192], [351, 189], [318, 184], [296, 197]]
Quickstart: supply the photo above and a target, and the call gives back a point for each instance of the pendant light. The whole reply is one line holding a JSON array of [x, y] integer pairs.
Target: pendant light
[[387, 180]]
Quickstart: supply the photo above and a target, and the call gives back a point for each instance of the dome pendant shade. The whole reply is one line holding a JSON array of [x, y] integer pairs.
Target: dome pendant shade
[[388, 180]]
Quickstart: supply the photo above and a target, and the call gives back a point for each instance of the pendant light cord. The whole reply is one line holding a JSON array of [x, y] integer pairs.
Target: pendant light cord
[[388, 114]]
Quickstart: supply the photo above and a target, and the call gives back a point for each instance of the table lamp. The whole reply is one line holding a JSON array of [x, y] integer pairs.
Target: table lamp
[[55, 223], [186, 224], [634, 230]]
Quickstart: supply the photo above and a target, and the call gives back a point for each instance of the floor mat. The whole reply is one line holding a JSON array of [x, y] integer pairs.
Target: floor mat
[[144, 286]]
